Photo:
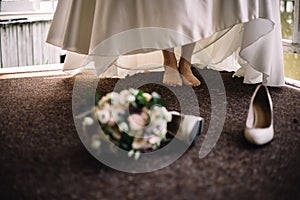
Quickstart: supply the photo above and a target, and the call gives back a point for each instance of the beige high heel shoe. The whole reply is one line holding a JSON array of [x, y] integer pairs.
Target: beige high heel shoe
[[259, 125]]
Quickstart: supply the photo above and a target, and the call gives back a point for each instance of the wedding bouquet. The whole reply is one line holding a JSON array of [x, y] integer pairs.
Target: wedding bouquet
[[133, 120]]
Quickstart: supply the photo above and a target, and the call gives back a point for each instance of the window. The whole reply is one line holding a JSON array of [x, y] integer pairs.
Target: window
[[290, 21], [24, 25]]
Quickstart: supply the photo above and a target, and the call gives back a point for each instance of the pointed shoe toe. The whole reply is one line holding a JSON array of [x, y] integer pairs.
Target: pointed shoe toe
[[259, 125], [259, 136]]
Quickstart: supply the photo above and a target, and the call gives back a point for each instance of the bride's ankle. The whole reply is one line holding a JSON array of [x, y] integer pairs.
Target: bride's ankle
[[184, 65], [170, 64]]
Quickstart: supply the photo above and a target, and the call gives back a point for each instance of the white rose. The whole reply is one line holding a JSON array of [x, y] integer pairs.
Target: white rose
[[155, 95], [147, 96], [168, 116], [117, 114], [124, 97], [123, 127], [133, 91], [130, 98], [115, 98], [124, 93], [103, 116], [87, 121], [96, 144], [159, 127], [155, 140], [161, 112], [156, 111]]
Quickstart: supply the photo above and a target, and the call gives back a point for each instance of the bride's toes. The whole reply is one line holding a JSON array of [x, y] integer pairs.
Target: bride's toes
[[191, 80], [172, 80], [196, 82], [188, 76]]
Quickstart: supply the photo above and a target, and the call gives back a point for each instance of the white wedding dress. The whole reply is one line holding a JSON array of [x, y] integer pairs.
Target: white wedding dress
[[125, 36]]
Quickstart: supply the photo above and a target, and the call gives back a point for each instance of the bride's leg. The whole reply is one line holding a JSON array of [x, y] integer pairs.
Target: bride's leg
[[171, 74], [185, 65]]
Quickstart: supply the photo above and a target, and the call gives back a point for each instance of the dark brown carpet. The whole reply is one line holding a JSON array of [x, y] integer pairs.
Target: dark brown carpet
[[42, 157]]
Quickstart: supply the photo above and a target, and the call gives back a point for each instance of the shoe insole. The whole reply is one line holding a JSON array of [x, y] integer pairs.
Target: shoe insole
[[262, 112]]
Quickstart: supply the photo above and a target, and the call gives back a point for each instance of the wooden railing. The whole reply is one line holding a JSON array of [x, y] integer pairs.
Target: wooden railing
[[22, 43]]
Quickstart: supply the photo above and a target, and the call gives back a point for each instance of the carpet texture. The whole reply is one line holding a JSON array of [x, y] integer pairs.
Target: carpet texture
[[42, 157]]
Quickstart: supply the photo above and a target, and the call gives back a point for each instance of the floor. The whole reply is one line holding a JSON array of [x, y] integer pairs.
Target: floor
[[42, 156]]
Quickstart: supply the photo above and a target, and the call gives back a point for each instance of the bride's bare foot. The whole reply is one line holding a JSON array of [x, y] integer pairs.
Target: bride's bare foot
[[188, 76], [172, 75]]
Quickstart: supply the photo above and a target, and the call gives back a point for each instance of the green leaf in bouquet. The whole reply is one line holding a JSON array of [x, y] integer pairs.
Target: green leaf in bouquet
[[141, 101], [157, 101], [126, 141], [140, 93], [97, 98], [134, 104]]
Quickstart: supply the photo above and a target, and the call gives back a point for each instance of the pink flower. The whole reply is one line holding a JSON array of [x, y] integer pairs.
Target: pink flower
[[136, 122]]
